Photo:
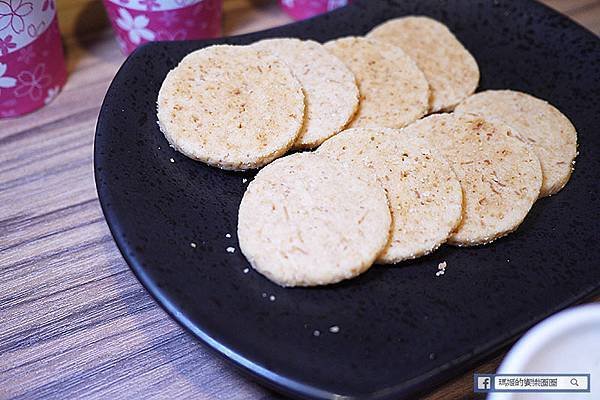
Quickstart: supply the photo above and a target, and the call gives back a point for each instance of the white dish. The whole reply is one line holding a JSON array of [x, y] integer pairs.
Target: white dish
[[566, 343]]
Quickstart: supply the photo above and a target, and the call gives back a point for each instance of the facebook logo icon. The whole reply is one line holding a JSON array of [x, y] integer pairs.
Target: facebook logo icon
[[483, 383]]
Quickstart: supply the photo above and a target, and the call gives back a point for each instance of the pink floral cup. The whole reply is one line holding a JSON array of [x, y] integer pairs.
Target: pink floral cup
[[32, 64], [139, 21], [302, 9]]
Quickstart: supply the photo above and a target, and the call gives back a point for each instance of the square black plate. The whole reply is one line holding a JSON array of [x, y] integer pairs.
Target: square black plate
[[402, 329]]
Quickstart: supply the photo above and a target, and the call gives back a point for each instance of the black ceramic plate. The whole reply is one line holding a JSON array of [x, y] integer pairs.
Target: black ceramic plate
[[402, 329]]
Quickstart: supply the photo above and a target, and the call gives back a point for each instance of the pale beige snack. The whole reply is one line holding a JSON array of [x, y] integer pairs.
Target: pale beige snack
[[424, 194], [536, 122], [450, 69], [393, 90], [308, 220], [330, 90], [500, 175], [232, 107]]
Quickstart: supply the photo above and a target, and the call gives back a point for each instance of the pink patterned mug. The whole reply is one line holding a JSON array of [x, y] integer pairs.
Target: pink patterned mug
[[32, 64], [302, 9], [139, 21]]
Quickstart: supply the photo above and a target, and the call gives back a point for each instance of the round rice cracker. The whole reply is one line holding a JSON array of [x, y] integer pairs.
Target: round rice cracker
[[424, 194], [232, 107], [330, 90], [393, 90], [500, 176], [308, 220], [450, 69], [539, 124]]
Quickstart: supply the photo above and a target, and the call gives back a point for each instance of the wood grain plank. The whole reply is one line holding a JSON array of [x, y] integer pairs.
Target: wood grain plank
[[589, 17], [585, 12], [74, 321], [249, 16], [568, 6]]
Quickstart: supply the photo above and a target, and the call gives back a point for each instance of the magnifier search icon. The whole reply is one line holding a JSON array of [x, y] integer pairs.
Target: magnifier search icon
[[574, 382]]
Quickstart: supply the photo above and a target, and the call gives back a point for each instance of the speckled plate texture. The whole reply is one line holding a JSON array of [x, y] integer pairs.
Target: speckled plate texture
[[402, 330]]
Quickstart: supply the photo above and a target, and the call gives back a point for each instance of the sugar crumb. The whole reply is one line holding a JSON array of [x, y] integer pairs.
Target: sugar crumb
[[228, 235], [230, 249], [193, 245], [334, 329], [441, 269], [316, 333], [272, 298], [246, 270], [244, 180], [171, 159]]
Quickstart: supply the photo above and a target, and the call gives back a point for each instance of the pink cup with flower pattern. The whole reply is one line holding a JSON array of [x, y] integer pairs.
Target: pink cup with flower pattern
[[32, 64], [139, 21], [302, 9]]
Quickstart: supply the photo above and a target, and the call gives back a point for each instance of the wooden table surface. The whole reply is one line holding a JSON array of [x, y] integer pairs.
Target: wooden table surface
[[74, 321]]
